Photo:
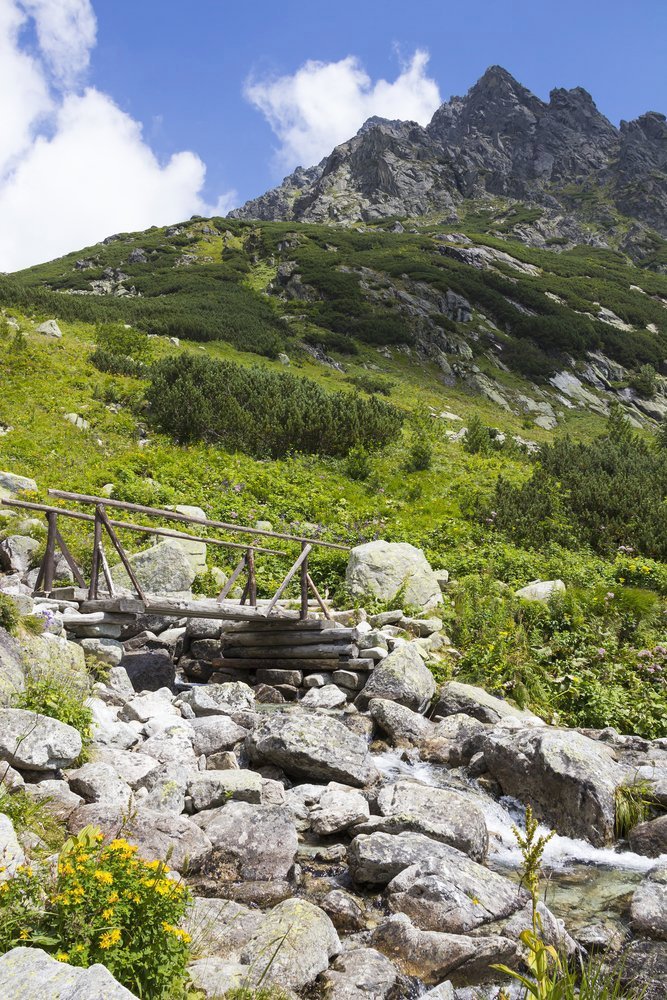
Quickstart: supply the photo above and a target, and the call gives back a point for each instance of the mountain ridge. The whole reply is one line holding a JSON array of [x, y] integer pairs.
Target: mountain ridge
[[498, 140]]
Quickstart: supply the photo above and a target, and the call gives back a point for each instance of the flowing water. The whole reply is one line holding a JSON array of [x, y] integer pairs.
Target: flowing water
[[584, 885]]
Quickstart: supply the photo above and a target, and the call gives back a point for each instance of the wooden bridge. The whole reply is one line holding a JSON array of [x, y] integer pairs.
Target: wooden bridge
[[93, 597]]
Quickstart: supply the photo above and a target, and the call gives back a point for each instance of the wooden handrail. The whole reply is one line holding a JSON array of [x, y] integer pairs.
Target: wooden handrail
[[207, 522], [126, 525]]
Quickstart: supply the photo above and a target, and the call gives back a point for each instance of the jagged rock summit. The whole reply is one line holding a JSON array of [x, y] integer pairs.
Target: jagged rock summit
[[498, 140]]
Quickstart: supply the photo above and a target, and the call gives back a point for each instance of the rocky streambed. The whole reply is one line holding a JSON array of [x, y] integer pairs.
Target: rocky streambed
[[373, 842]]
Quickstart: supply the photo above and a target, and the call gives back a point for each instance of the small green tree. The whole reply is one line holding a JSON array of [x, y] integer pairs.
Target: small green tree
[[645, 381], [619, 428], [420, 457], [477, 440]]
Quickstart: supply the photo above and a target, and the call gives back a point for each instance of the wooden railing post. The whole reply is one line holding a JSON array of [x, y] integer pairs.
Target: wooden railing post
[[304, 582], [95, 568], [47, 570], [252, 580]]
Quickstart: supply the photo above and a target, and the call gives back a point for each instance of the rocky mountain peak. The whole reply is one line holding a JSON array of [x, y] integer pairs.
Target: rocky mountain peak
[[497, 140]]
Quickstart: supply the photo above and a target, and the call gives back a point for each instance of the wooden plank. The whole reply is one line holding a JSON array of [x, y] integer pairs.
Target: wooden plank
[[107, 572], [321, 651], [227, 611], [304, 585], [290, 573], [252, 580], [286, 636], [313, 666], [171, 515], [114, 605], [264, 627]]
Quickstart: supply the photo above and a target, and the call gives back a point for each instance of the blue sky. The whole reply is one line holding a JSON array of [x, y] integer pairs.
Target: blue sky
[[121, 114], [185, 64]]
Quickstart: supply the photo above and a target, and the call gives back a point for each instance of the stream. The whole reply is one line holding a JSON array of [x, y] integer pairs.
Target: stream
[[586, 886]]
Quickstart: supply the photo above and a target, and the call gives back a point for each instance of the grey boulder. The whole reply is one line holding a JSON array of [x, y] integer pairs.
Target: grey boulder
[[650, 838], [458, 698], [31, 974], [161, 569], [453, 896], [434, 956], [36, 742], [568, 779], [253, 842], [392, 570], [439, 813], [308, 942], [648, 910], [377, 858], [312, 747], [18, 553], [158, 835], [401, 724], [402, 677], [360, 974]]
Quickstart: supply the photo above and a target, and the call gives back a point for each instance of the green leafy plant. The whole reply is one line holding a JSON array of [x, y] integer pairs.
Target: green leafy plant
[[477, 440], [358, 464], [633, 803], [420, 457], [29, 815], [10, 616], [60, 698], [102, 904]]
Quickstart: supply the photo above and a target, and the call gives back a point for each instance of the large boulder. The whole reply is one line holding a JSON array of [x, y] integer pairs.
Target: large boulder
[[18, 553], [49, 655], [220, 927], [434, 956], [457, 698], [337, 809], [162, 569], [149, 669], [645, 968], [100, 782], [360, 974], [568, 779], [194, 550], [308, 940], [440, 813], [31, 974], [36, 742], [11, 485], [158, 835], [650, 838], [12, 677], [312, 747], [11, 852], [648, 910], [388, 570], [377, 858], [453, 896], [403, 677], [401, 724], [254, 847], [49, 328], [541, 590]]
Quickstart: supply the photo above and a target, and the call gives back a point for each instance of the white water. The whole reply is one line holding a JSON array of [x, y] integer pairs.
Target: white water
[[561, 853]]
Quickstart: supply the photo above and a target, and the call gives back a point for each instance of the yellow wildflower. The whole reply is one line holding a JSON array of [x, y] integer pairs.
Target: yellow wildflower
[[110, 938], [62, 956], [106, 878], [108, 913], [113, 897], [25, 934]]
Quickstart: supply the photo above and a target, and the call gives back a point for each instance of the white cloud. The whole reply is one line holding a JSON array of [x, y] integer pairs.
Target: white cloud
[[323, 104], [73, 166]]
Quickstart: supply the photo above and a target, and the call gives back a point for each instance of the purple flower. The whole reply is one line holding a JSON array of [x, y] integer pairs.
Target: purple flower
[[602, 652], [644, 653]]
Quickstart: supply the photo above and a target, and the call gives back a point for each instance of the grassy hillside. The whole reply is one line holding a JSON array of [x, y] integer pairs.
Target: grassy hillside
[[421, 487]]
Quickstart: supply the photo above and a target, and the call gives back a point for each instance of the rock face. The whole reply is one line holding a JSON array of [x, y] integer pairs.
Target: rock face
[[386, 570], [400, 723], [36, 742], [313, 747], [31, 974], [541, 590], [499, 139], [402, 677], [568, 779], [162, 569], [377, 858], [17, 553]]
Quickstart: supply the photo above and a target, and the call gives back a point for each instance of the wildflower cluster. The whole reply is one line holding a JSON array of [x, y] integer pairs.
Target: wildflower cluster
[[101, 903]]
